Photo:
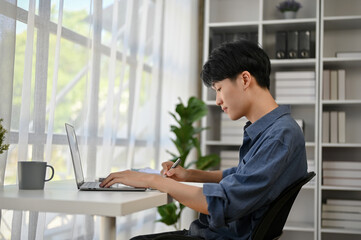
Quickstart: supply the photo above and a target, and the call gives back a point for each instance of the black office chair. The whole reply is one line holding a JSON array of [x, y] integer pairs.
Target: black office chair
[[273, 221]]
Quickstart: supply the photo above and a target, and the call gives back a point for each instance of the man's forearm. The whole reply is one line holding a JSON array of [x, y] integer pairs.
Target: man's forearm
[[189, 196], [195, 175]]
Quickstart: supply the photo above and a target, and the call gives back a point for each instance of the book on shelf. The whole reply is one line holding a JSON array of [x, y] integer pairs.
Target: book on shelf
[[326, 85], [325, 127], [341, 118], [333, 127], [295, 86], [229, 154], [281, 44], [340, 208], [219, 37], [336, 173], [311, 165], [231, 37], [333, 85], [228, 163], [308, 83], [344, 182], [292, 44], [311, 168], [341, 78], [229, 158], [295, 98], [304, 49], [344, 165], [345, 202], [341, 173], [349, 54], [253, 36], [232, 139], [342, 224], [232, 131], [301, 91], [342, 216], [301, 123], [295, 75]]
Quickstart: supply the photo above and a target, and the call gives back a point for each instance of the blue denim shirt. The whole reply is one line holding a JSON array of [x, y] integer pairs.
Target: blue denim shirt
[[272, 156]]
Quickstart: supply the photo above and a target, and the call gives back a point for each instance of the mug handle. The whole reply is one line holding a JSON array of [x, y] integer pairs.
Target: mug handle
[[52, 173]]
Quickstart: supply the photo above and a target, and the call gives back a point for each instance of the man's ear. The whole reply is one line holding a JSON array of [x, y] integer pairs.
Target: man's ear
[[246, 79]]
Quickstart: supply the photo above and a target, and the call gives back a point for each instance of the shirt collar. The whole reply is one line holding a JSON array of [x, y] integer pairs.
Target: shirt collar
[[264, 122]]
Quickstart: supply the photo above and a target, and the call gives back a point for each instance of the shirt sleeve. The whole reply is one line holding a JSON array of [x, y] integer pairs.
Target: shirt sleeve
[[229, 171], [247, 189]]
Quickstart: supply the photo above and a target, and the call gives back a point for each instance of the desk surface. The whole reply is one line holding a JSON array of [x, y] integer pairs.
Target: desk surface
[[64, 197]]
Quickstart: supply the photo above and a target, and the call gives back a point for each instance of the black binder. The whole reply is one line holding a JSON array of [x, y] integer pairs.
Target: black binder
[[281, 45], [304, 49], [216, 40], [292, 44], [253, 36]]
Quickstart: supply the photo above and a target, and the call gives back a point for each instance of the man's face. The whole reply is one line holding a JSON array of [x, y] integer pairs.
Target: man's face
[[230, 97]]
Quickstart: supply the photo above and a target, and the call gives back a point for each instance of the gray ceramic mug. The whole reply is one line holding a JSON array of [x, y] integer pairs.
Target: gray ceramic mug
[[31, 174]]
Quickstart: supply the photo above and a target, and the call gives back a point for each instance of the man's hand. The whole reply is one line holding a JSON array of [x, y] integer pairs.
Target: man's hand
[[130, 178], [178, 173]]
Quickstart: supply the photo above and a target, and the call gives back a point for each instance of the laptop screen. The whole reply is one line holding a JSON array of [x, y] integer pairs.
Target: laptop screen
[[75, 154]]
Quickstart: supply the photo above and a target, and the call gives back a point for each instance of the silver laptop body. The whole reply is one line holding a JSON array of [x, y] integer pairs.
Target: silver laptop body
[[78, 170]]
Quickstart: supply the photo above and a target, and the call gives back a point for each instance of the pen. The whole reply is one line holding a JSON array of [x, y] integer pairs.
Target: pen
[[175, 164]]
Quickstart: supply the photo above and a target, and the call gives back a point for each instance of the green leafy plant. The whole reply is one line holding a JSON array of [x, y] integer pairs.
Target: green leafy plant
[[187, 139], [3, 147], [289, 5]]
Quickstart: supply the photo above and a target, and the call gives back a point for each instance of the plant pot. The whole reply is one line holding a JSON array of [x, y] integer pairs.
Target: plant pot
[[289, 14]]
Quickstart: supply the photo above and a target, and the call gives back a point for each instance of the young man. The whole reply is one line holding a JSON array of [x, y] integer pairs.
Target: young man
[[271, 157]]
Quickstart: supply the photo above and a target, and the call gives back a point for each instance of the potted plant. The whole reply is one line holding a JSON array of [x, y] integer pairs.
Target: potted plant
[[3, 147], [186, 139], [289, 8]]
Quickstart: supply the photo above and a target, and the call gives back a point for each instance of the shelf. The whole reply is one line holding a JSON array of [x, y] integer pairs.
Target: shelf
[[338, 188], [234, 27], [335, 27], [299, 226], [309, 62], [340, 230], [309, 186], [289, 24], [334, 62], [232, 24], [341, 102], [342, 145], [342, 22]]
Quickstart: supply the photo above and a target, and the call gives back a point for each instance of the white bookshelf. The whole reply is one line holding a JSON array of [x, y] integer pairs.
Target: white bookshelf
[[340, 31], [336, 26]]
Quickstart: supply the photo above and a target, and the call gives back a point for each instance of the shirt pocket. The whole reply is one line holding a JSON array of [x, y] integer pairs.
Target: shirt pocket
[[243, 162]]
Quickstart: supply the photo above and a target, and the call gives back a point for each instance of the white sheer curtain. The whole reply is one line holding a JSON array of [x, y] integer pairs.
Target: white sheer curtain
[[112, 68]]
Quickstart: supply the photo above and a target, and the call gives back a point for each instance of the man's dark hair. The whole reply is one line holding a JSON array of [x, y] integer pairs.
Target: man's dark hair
[[230, 59]]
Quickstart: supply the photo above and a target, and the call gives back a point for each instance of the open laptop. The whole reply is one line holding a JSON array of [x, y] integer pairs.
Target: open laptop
[[78, 170]]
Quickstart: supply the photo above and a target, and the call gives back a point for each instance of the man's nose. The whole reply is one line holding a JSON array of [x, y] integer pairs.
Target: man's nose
[[218, 100]]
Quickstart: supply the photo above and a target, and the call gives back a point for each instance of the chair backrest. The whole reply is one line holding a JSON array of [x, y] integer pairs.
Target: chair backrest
[[273, 221]]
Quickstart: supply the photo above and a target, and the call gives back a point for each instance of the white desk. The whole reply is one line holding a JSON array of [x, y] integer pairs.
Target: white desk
[[64, 197]]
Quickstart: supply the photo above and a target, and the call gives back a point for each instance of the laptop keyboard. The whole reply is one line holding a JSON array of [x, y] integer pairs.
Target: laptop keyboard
[[91, 184]]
